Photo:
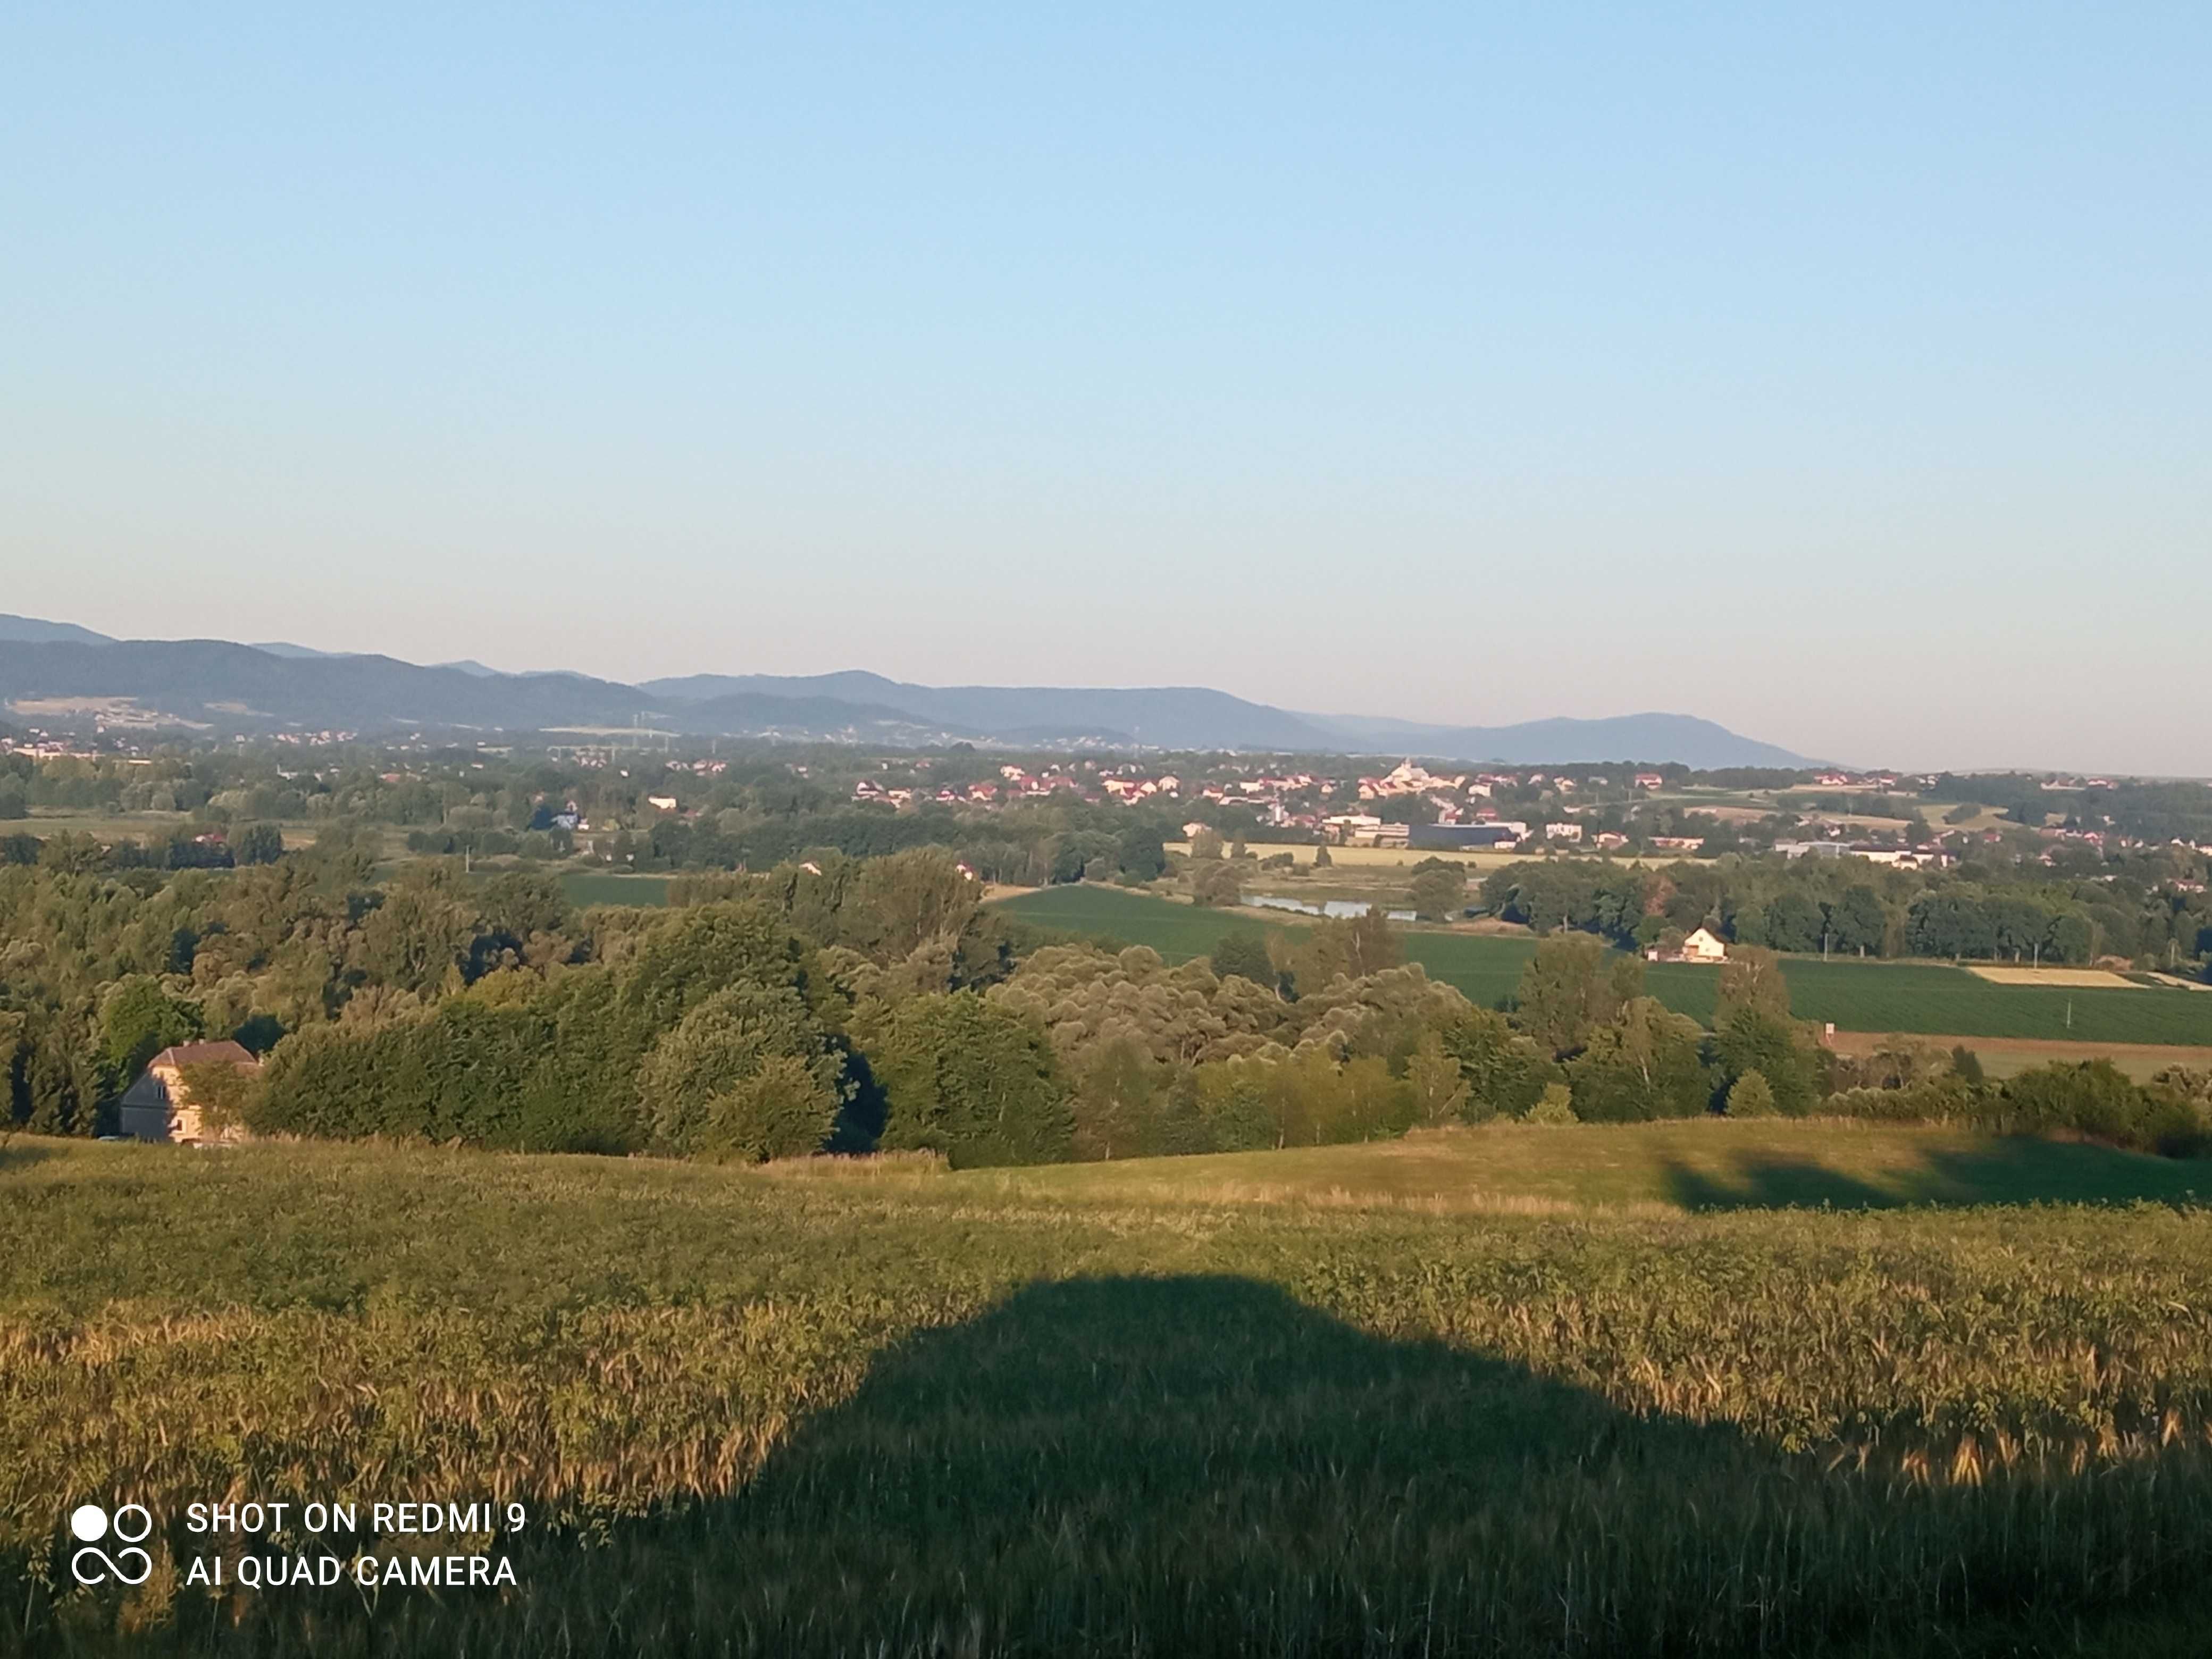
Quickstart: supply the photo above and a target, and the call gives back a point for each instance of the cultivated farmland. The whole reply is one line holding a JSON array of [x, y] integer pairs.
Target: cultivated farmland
[[1856, 996], [1131, 1410], [587, 887]]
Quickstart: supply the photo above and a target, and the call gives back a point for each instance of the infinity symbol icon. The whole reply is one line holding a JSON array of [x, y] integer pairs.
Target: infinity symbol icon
[[90, 1524], [121, 1573]]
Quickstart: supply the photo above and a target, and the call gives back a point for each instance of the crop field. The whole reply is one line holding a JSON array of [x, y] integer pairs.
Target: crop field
[[2072, 979], [1149, 1409], [589, 887], [1178, 931], [1856, 996]]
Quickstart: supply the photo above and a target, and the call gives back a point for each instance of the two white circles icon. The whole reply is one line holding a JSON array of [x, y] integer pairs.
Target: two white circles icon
[[133, 1524]]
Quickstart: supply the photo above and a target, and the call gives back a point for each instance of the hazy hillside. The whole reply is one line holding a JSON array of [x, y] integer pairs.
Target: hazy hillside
[[229, 686], [224, 684], [1682, 737], [29, 630], [1166, 717]]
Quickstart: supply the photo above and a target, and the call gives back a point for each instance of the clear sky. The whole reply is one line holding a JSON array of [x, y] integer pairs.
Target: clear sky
[[1844, 374]]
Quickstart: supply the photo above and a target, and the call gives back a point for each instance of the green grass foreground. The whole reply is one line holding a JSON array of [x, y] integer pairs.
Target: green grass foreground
[[1856, 996], [1148, 1408]]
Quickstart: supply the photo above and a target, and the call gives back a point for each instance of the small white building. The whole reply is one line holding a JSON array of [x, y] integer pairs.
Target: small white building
[[1704, 945]]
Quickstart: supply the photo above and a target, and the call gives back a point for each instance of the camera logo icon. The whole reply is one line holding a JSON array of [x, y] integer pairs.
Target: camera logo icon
[[132, 1526]]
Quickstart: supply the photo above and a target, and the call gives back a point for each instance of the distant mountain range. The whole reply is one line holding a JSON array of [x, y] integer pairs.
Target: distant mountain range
[[64, 671]]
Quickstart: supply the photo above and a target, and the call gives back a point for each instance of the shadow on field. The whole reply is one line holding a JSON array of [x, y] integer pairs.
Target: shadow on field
[[1205, 1466], [21, 1153], [2019, 1170]]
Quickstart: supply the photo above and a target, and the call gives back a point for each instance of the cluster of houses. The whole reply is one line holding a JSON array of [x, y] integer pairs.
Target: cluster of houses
[[1871, 783], [1908, 858], [1017, 784], [314, 740], [1291, 800], [39, 746]]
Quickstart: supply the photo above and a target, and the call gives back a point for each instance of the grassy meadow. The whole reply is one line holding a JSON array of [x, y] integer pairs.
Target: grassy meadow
[[1693, 1165], [586, 887], [1927, 997], [112, 827], [1503, 1391]]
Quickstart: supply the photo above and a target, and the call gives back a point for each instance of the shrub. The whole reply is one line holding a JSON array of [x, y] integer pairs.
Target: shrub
[[1227, 1106], [1947, 1099], [2097, 1099], [1216, 885], [1557, 1106], [1750, 1096]]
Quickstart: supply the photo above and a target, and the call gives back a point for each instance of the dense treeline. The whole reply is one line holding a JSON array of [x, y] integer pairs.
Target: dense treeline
[[2152, 910], [854, 1003], [2017, 896]]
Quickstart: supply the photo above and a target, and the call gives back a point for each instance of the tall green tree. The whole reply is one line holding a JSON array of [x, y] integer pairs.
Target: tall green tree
[[970, 1079], [1645, 1063], [1752, 978], [138, 1020], [1505, 1072], [1244, 953], [702, 1086], [1572, 986], [257, 843], [1144, 855], [1438, 891], [1857, 922]]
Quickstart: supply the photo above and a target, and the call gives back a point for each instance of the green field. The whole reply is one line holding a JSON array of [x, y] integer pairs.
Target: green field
[[1155, 1409], [589, 887], [1856, 996], [1692, 1165]]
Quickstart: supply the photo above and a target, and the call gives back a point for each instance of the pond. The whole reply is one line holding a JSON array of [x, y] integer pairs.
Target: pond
[[1336, 907]]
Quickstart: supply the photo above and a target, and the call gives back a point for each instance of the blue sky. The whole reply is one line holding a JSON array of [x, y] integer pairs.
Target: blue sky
[[1839, 375]]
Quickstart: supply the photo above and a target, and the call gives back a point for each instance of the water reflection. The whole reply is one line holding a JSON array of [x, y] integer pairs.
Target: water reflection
[[1336, 907]]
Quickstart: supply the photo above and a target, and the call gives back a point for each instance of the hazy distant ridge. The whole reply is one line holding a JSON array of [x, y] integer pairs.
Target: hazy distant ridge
[[234, 686]]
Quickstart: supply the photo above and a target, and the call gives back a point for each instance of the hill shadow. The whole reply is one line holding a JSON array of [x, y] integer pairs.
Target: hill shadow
[[21, 1152], [1207, 1466], [2011, 1170]]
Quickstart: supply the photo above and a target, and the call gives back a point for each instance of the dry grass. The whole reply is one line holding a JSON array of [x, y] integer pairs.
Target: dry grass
[[2082, 979]]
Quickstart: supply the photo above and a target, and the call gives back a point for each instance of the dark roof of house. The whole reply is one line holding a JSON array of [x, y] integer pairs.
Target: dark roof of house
[[202, 1054]]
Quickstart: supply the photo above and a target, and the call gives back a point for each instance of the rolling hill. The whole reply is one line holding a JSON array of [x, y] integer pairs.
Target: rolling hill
[[53, 671]]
